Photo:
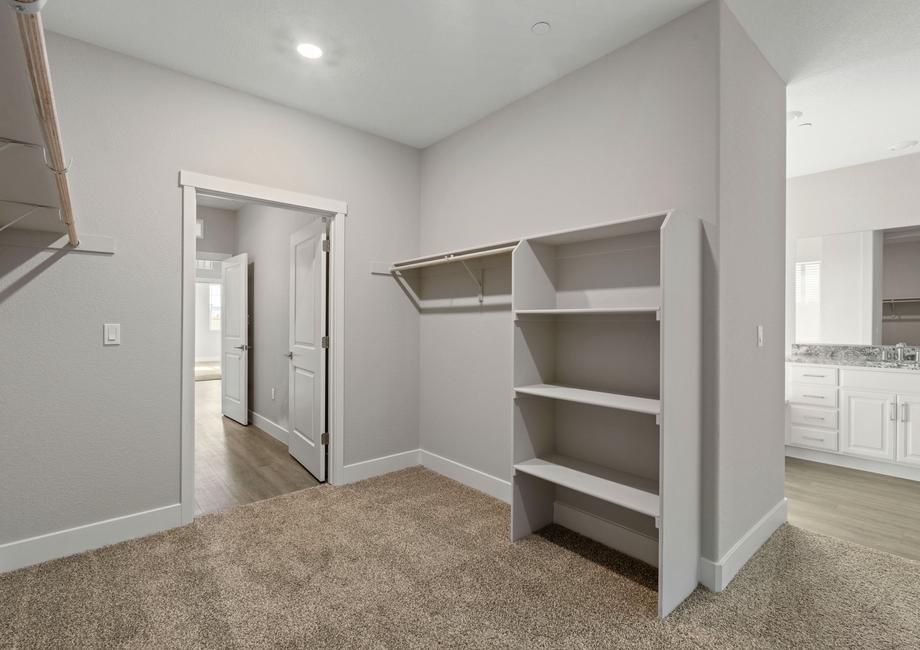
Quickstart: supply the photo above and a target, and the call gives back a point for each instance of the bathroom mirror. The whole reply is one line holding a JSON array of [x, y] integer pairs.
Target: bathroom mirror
[[858, 288]]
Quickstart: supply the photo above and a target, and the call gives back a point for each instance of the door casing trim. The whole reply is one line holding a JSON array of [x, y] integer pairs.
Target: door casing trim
[[191, 183]]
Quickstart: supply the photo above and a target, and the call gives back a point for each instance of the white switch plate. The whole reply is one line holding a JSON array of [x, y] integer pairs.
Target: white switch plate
[[760, 336], [111, 334]]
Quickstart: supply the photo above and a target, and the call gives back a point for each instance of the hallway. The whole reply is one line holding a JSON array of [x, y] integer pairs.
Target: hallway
[[236, 464]]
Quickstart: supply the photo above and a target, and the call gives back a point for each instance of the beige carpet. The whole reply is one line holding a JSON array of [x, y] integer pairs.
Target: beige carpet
[[414, 560]]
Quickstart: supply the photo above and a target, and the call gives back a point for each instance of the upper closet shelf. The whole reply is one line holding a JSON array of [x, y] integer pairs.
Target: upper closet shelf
[[593, 397], [35, 194], [455, 256]]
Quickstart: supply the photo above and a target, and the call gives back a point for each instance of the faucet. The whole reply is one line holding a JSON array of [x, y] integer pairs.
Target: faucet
[[905, 353]]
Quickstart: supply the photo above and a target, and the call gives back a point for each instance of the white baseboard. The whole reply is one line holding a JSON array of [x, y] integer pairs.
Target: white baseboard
[[607, 532], [273, 429], [716, 575], [492, 485], [25, 552], [851, 462], [377, 466]]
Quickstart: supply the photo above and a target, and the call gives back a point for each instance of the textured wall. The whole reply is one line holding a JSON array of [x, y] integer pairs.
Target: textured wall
[[109, 444]]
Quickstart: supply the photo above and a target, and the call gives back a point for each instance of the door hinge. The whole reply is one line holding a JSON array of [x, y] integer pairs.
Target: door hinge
[[325, 342], [325, 245], [324, 439]]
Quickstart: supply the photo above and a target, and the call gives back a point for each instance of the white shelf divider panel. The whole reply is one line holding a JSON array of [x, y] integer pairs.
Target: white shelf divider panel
[[632, 492], [593, 397]]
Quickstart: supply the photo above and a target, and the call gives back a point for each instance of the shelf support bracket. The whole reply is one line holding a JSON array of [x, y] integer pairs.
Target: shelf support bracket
[[407, 288], [478, 280]]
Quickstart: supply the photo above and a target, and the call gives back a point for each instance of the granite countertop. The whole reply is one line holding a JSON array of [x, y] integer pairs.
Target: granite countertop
[[855, 362]]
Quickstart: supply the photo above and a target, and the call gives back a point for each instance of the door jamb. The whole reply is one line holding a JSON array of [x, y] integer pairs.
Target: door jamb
[[191, 183]]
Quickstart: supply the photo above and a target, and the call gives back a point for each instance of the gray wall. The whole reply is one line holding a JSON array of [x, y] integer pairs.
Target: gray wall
[[750, 398], [109, 445], [635, 132], [265, 235], [219, 230]]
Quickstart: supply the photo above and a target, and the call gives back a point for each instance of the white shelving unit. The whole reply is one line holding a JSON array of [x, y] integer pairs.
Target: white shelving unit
[[606, 381], [606, 408]]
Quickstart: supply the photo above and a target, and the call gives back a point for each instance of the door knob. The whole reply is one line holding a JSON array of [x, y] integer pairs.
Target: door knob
[[290, 355], [242, 347]]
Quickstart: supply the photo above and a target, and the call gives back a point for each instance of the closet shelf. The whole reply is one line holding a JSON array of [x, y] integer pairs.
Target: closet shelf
[[593, 397], [636, 309], [456, 256], [626, 490]]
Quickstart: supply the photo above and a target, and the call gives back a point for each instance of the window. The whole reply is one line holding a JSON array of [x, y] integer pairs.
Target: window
[[214, 307], [808, 302], [205, 265], [807, 283]]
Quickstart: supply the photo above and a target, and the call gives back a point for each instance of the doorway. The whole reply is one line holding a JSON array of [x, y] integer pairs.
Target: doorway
[[261, 407]]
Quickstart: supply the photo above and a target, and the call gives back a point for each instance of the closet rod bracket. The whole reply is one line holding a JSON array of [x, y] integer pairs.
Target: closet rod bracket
[[478, 280]]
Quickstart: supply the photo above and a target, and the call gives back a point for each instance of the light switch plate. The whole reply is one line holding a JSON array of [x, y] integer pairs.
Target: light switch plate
[[111, 334], [760, 336]]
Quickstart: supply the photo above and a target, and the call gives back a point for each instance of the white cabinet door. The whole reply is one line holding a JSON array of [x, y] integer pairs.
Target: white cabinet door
[[908, 446], [868, 423]]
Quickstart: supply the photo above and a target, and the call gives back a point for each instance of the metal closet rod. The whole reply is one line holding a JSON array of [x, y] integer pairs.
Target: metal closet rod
[[28, 15], [450, 258]]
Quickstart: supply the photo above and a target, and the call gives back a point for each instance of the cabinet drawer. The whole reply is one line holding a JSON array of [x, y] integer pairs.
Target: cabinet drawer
[[814, 438], [813, 417], [813, 394], [810, 375]]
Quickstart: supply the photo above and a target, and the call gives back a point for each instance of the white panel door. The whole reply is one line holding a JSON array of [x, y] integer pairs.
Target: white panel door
[[868, 424], [234, 338], [307, 376], [909, 429]]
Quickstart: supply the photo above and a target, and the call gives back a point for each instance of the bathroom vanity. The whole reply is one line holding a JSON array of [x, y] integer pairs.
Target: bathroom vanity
[[863, 414]]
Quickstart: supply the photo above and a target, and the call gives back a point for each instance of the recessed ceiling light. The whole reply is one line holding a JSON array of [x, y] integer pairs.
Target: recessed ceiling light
[[309, 51], [901, 146], [793, 116], [541, 27]]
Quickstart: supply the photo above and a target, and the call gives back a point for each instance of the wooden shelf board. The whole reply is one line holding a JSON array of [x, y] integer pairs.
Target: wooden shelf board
[[635, 309], [626, 490], [593, 397], [504, 248]]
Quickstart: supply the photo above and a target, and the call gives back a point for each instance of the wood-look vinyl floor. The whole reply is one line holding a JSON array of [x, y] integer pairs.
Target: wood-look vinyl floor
[[236, 464], [870, 509]]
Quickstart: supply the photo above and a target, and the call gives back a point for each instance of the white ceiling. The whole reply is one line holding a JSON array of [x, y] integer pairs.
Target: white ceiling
[[853, 68], [416, 71], [220, 202], [411, 70]]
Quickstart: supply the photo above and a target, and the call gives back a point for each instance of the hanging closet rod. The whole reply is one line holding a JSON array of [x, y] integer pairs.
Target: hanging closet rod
[[28, 15], [450, 258]]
